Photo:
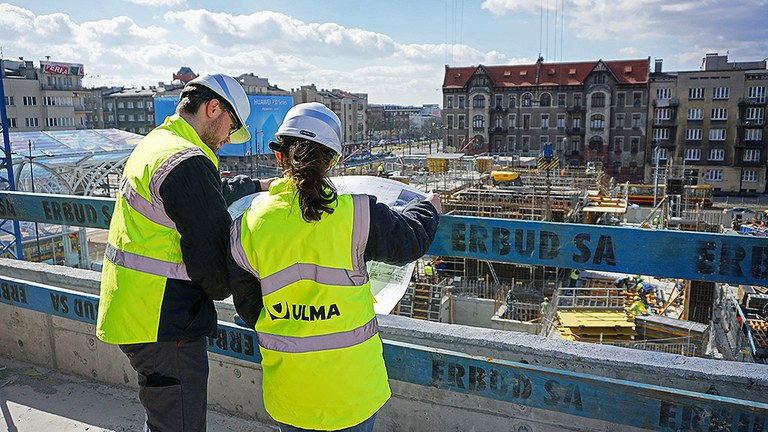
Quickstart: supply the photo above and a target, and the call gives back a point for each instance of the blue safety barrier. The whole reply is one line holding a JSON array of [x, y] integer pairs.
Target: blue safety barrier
[[727, 258]]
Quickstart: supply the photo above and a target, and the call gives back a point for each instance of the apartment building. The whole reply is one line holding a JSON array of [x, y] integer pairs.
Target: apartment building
[[712, 122], [130, 109], [350, 107], [50, 97], [589, 111]]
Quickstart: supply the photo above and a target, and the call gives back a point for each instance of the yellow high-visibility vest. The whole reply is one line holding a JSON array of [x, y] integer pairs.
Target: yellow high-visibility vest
[[143, 248], [322, 357]]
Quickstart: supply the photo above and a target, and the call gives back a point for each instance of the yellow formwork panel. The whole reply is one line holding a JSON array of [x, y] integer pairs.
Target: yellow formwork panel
[[604, 319]]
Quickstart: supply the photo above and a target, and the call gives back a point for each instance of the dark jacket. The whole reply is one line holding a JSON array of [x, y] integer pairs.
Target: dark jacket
[[196, 199], [394, 238]]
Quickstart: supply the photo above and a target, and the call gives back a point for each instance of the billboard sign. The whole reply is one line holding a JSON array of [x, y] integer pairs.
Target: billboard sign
[[62, 68], [267, 112]]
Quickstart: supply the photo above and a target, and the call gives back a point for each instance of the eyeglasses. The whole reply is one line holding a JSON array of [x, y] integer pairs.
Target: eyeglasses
[[235, 124]]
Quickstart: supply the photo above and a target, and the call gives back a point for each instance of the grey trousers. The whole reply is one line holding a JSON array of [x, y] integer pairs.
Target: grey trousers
[[173, 384]]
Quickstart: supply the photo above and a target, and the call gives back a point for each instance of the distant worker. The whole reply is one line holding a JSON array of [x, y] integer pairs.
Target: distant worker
[[380, 170], [511, 302], [440, 267], [544, 305], [166, 255], [429, 271], [574, 277], [305, 246], [637, 308], [623, 283]]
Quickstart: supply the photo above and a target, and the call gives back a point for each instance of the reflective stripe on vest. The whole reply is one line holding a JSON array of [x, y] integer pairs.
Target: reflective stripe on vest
[[290, 344], [304, 271], [154, 210], [144, 264]]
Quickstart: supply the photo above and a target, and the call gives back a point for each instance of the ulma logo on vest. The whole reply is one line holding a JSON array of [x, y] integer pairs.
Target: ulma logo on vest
[[280, 311]]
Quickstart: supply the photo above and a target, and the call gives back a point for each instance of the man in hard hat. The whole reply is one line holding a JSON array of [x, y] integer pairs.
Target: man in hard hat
[[166, 254]]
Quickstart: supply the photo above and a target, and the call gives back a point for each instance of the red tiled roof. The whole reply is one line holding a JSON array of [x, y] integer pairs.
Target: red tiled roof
[[554, 74]]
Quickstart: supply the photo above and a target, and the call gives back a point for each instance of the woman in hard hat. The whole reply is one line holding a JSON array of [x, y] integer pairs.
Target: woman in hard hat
[[300, 280]]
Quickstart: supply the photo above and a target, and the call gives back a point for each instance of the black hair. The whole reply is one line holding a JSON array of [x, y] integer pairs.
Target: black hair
[[306, 163]]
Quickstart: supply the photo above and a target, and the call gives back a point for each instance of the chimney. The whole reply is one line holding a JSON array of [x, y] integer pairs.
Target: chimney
[[657, 66]]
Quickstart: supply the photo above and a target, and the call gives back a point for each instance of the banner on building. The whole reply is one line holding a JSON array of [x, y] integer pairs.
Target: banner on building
[[267, 112], [62, 68]]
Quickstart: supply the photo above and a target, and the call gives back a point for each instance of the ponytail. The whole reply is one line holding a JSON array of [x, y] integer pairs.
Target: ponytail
[[306, 163]]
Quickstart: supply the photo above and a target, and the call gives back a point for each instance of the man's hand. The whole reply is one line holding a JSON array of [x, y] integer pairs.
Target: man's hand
[[435, 200]]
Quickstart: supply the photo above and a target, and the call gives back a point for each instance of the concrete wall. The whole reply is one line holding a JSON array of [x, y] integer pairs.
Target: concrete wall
[[478, 312], [70, 346]]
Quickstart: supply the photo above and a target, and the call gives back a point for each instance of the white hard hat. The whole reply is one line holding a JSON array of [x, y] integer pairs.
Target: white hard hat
[[314, 122], [232, 92]]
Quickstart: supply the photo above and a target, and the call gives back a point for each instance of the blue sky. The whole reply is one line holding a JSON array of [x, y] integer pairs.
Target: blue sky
[[395, 51]]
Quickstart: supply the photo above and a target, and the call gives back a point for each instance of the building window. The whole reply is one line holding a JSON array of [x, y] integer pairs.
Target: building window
[[511, 143], [600, 78], [693, 135], [527, 100], [450, 122], [120, 105], [597, 121], [636, 121], [31, 122], [620, 99], [461, 102], [720, 92], [717, 134], [751, 155], [545, 100], [526, 144], [450, 141], [512, 101], [634, 144], [757, 94], [121, 117], [576, 145], [714, 175], [12, 122], [499, 102], [663, 93], [29, 100], [545, 121], [498, 122], [598, 100], [561, 121], [696, 93], [561, 99], [637, 99], [749, 176], [618, 144], [139, 104], [150, 105], [462, 124], [9, 100], [129, 104], [478, 122], [755, 115], [695, 114], [512, 121], [719, 114], [478, 102], [620, 121], [526, 121], [576, 123], [753, 135], [692, 154], [716, 154], [577, 100], [660, 134], [662, 114]]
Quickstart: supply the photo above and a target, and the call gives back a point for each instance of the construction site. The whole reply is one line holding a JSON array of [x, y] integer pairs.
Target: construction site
[[646, 312]]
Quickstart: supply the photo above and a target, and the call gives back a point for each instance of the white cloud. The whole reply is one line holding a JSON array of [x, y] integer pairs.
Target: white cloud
[[504, 7], [157, 3], [280, 32]]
